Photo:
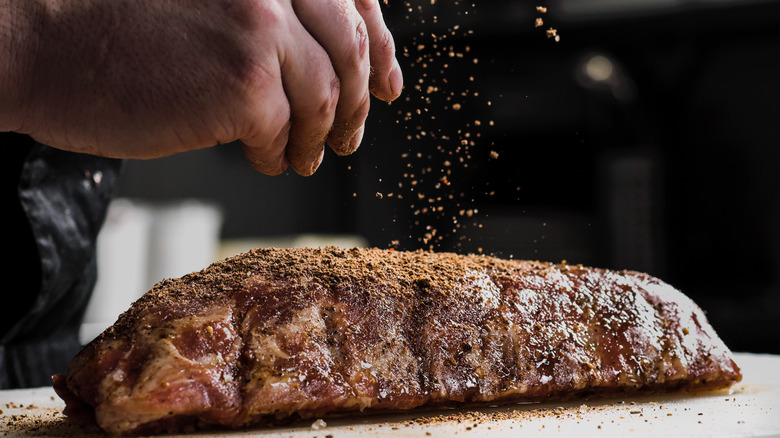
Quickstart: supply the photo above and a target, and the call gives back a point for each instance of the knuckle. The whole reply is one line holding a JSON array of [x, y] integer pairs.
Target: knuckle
[[279, 124], [364, 105], [328, 99], [387, 44], [355, 56], [367, 5], [382, 50], [265, 13], [361, 41]]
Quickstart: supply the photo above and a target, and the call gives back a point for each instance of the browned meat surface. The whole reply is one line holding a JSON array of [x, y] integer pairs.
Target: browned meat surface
[[273, 334]]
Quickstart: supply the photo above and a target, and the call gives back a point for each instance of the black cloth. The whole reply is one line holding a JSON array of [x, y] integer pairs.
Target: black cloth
[[58, 202]]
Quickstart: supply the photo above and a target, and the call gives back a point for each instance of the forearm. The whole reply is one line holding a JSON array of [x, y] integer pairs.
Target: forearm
[[18, 39]]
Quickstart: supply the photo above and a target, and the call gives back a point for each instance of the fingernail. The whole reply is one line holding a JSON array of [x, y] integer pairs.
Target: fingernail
[[270, 168], [282, 164], [308, 165], [395, 80], [354, 142], [263, 164], [318, 161], [277, 166]]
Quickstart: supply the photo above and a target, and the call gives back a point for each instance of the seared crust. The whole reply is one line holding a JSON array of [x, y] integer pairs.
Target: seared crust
[[275, 333]]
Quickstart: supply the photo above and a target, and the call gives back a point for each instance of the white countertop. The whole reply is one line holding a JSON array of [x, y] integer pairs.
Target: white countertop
[[751, 408]]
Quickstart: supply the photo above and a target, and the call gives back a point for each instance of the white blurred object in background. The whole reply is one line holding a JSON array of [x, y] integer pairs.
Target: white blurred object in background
[[122, 250], [141, 244], [185, 237]]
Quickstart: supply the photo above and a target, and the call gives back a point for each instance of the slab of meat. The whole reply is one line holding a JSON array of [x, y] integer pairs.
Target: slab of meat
[[276, 334]]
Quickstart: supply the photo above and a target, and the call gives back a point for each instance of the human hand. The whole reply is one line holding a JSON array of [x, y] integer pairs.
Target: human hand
[[145, 79]]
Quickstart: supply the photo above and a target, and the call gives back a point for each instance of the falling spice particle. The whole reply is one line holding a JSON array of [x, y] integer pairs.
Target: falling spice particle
[[539, 22], [440, 155], [446, 149]]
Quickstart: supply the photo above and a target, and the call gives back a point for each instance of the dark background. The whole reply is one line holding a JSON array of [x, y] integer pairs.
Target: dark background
[[669, 165]]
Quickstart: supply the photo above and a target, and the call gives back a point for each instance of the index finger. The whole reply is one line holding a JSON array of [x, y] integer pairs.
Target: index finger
[[386, 80], [340, 30]]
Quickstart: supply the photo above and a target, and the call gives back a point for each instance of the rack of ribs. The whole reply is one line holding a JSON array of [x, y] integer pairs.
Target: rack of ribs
[[278, 334]]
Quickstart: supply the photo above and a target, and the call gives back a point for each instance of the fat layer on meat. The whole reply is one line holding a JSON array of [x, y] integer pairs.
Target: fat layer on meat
[[275, 334]]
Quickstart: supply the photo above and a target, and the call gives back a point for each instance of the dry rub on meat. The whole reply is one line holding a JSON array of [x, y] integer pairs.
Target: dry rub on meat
[[276, 334]]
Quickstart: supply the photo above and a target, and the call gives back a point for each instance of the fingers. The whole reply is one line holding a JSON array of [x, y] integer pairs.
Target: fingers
[[312, 89], [269, 156], [264, 147], [332, 54], [341, 31], [386, 79]]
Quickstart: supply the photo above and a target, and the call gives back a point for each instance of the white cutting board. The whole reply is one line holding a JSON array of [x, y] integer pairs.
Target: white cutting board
[[750, 408]]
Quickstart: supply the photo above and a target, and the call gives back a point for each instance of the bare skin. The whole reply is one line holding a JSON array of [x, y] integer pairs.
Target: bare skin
[[146, 79]]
